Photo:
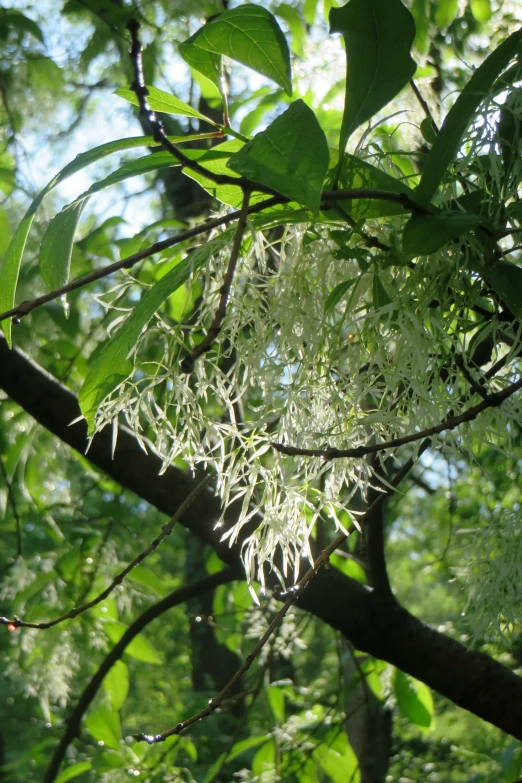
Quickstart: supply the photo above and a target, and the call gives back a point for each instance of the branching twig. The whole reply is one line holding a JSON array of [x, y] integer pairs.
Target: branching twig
[[28, 306], [140, 89], [174, 599], [215, 326], [425, 107], [166, 530], [293, 595], [492, 400]]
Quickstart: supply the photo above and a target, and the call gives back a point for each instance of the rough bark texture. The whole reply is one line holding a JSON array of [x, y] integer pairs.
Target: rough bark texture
[[379, 626]]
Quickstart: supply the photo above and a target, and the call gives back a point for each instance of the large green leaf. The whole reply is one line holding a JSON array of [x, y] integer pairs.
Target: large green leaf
[[139, 648], [506, 280], [425, 234], [252, 36], [116, 684], [104, 726], [414, 699], [111, 364], [290, 156], [378, 35], [56, 248], [10, 268], [201, 60], [72, 772], [164, 102], [337, 758], [450, 136]]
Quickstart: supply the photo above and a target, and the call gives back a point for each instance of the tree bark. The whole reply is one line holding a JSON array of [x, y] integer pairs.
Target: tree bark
[[374, 624]]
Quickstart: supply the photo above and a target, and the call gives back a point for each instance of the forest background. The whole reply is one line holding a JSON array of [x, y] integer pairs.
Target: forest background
[[349, 686]]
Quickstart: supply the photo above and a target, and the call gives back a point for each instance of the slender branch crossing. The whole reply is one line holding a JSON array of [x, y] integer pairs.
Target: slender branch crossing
[[166, 530]]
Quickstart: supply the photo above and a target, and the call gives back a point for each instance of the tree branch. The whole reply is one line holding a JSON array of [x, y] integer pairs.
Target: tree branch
[[150, 614], [491, 400], [379, 627], [24, 308], [215, 327]]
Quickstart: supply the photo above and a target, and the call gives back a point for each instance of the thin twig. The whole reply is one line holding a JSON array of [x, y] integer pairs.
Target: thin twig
[[451, 423], [24, 308], [140, 89], [476, 386], [166, 530], [215, 327], [16, 515], [73, 723], [425, 107], [293, 595]]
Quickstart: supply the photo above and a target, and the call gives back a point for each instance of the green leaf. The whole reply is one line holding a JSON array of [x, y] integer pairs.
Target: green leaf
[[309, 9], [73, 772], [116, 684], [290, 156], [264, 758], [10, 268], [204, 62], [337, 758], [162, 101], [509, 129], [276, 700], [244, 745], [104, 726], [215, 160], [446, 12], [349, 567], [337, 294], [215, 769], [425, 234], [295, 23], [147, 578], [140, 648], [413, 698], [378, 35], [56, 247], [17, 20], [252, 36], [5, 232], [112, 364], [428, 131], [506, 280], [481, 10], [450, 135], [381, 298]]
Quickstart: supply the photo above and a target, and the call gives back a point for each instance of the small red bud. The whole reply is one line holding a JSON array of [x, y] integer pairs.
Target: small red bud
[[11, 627]]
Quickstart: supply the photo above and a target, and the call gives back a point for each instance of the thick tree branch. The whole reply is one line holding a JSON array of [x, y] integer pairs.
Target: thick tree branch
[[378, 626], [156, 610]]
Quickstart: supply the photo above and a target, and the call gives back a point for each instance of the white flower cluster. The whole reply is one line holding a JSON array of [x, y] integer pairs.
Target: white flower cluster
[[329, 343], [292, 365]]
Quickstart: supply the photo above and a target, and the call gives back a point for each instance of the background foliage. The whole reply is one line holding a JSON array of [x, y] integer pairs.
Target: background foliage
[[69, 528]]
